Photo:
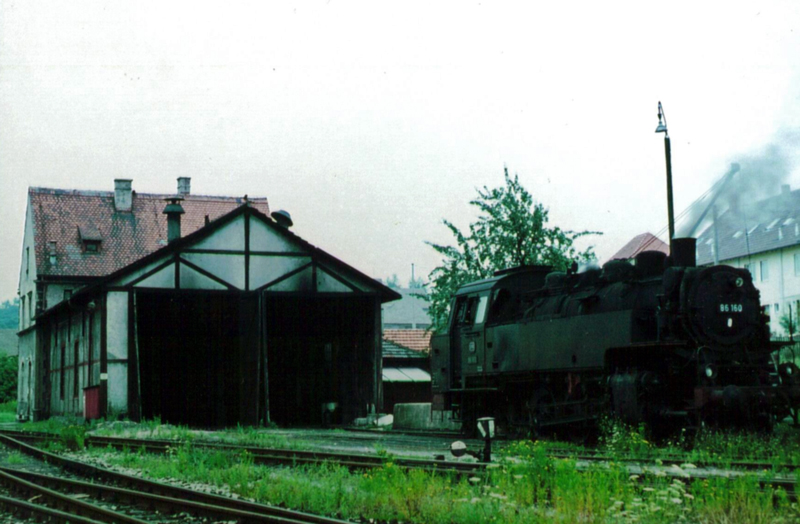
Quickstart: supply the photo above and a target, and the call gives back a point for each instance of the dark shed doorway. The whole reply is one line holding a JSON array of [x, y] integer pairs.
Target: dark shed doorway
[[320, 354], [197, 357]]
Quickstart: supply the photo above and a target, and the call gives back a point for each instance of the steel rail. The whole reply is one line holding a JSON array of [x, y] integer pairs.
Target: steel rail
[[259, 512], [30, 510], [149, 500], [16, 484]]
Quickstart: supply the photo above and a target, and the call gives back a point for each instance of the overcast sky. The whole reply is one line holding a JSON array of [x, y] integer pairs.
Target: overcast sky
[[371, 121]]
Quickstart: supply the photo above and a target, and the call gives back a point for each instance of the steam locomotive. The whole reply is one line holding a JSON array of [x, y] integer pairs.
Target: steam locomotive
[[654, 340]]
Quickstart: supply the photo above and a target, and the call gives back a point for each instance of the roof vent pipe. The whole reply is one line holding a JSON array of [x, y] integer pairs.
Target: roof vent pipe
[[123, 198], [283, 218], [174, 210], [184, 185]]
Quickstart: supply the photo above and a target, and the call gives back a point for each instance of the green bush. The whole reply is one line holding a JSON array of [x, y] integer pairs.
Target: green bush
[[73, 437], [8, 377]]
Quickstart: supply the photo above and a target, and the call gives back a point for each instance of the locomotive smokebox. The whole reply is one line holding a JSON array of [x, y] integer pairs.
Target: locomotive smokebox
[[684, 251]]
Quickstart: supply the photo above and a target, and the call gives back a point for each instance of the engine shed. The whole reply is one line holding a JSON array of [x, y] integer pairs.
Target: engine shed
[[239, 322]]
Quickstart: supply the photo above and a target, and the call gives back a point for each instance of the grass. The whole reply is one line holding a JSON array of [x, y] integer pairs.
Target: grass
[[8, 412], [526, 485]]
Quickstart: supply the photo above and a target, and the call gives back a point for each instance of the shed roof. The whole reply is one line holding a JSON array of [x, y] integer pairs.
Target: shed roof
[[62, 218], [384, 292], [405, 375]]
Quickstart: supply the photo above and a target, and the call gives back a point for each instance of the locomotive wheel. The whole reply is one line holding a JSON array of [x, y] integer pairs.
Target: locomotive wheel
[[541, 409]]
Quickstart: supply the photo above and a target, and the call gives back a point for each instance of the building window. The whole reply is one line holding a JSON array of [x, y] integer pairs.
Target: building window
[[797, 264], [30, 307], [75, 371], [67, 294], [766, 309], [52, 253], [22, 313], [777, 308], [27, 260], [764, 264], [63, 363], [90, 351]]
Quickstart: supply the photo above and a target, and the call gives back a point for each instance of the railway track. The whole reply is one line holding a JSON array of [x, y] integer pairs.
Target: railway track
[[363, 461], [666, 466], [62, 499], [269, 455]]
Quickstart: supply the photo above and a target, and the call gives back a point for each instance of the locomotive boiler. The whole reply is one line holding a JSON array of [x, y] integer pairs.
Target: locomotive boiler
[[653, 340]]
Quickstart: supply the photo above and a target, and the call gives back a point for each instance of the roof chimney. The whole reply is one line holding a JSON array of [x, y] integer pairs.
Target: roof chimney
[[123, 199], [184, 185], [174, 210]]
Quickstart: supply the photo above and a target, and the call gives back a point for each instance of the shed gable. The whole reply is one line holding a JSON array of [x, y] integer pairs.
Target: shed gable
[[245, 251]]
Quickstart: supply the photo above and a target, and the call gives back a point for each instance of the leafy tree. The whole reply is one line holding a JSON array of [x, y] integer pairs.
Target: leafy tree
[[416, 283], [393, 282], [9, 314], [511, 230], [8, 378], [788, 322]]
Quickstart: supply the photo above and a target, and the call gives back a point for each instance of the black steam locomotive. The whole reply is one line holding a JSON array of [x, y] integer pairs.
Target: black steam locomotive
[[653, 340]]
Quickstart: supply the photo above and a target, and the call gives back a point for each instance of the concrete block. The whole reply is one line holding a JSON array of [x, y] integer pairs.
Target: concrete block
[[412, 416]]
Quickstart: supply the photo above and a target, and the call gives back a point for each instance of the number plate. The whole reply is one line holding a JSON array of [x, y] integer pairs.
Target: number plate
[[731, 308]]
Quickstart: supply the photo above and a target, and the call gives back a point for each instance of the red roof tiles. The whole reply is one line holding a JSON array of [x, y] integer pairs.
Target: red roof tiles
[[416, 339], [60, 215], [639, 243]]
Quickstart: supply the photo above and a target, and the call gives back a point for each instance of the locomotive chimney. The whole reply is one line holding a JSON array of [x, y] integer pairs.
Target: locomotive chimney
[[684, 251], [174, 210]]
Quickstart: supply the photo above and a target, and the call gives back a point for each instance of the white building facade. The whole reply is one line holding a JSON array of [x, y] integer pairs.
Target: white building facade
[[764, 238]]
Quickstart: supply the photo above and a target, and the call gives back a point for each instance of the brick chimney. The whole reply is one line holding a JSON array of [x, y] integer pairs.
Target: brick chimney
[[184, 185], [123, 197]]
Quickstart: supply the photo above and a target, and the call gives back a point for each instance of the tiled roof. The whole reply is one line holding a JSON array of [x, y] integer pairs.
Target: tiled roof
[[392, 350], [61, 215], [97, 285], [416, 339], [772, 223], [639, 243]]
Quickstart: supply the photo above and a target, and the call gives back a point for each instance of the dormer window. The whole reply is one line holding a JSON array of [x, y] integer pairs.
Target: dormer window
[[90, 238], [51, 249]]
